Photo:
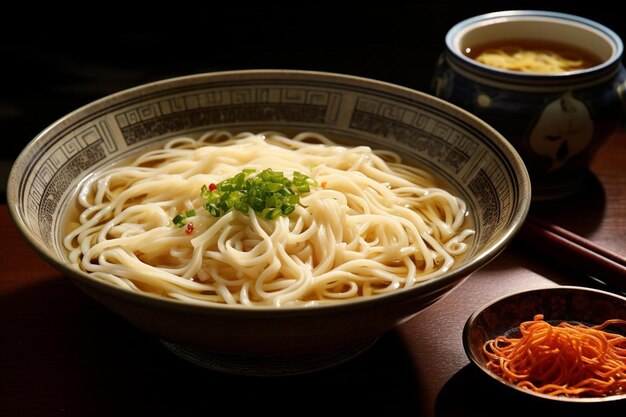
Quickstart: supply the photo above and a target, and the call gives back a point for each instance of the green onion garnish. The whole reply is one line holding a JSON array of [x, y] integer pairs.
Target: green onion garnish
[[269, 193], [181, 219]]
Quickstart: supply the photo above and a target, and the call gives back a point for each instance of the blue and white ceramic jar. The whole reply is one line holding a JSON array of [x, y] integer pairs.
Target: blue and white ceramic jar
[[556, 121]]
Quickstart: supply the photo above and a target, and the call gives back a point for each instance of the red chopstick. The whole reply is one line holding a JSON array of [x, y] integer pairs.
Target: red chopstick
[[575, 252]]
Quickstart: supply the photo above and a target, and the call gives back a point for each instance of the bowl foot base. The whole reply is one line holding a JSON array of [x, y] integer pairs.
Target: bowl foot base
[[268, 365]]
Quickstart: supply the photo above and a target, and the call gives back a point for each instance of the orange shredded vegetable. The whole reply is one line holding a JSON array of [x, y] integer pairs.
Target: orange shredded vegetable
[[573, 360]]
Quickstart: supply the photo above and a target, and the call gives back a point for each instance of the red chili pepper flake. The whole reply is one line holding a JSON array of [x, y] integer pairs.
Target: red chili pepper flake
[[323, 184], [212, 187], [189, 228]]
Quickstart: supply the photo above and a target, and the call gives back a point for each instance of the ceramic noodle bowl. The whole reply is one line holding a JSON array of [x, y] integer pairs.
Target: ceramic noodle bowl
[[462, 150], [556, 121]]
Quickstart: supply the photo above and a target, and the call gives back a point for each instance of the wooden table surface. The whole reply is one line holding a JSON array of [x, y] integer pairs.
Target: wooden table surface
[[63, 354]]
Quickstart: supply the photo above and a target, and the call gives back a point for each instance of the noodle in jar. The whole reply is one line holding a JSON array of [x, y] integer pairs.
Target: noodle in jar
[[534, 57]]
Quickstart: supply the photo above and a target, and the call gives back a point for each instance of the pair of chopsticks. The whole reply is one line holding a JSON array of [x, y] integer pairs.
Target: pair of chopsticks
[[575, 252]]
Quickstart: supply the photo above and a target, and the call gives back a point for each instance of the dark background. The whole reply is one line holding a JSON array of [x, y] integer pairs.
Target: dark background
[[54, 61]]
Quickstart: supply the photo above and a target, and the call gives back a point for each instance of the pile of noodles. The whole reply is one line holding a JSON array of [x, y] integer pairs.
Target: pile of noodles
[[565, 359], [371, 225]]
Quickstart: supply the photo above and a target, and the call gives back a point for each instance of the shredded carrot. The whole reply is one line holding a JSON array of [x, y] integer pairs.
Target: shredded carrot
[[573, 360]]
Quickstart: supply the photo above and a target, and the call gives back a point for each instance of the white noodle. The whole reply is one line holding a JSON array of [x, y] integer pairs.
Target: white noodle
[[371, 226]]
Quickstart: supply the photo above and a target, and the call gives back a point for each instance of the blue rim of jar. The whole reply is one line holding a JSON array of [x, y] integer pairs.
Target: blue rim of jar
[[484, 73]]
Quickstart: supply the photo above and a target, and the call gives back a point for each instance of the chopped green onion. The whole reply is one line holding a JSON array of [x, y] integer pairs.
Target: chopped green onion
[[273, 186], [303, 188], [213, 210], [181, 219], [287, 209], [269, 193], [204, 192], [241, 206]]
